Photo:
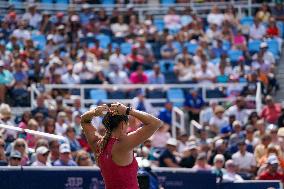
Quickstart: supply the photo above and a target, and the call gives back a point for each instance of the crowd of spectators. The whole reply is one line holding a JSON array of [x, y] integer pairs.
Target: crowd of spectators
[[93, 47]]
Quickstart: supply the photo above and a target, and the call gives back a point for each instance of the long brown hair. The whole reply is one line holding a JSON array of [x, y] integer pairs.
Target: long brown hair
[[110, 122]]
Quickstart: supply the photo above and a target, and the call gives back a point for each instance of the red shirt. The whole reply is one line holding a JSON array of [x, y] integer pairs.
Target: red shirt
[[273, 32], [267, 176], [271, 114], [136, 78], [98, 52]]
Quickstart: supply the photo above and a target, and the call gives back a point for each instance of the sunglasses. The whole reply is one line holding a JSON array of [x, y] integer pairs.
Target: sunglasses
[[20, 145], [15, 158], [84, 158]]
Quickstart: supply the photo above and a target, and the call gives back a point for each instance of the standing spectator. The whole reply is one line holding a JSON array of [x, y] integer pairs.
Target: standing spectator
[[231, 175], [271, 111], [201, 163], [244, 161], [139, 76], [41, 156], [65, 156], [168, 158], [272, 172], [193, 104], [83, 159], [15, 158], [166, 113]]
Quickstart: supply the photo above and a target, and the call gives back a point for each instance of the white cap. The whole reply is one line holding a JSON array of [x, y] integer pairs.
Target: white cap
[[272, 159], [64, 148], [219, 143], [172, 141], [219, 157], [42, 150], [75, 18], [263, 45]]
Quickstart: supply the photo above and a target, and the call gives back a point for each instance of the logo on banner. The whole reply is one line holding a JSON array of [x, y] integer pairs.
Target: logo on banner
[[74, 183]]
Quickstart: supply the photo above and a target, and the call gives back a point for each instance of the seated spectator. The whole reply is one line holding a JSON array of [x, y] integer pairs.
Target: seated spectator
[[83, 158], [272, 172], [245, 162], [168, 51], [118, 76], [205, 74], [207, 112], [172, 20], [65, 156], [6, 118], [182, 142], [239, 110], [30, 138], [182, 56], [257, 30], [145, 50], [230, 174], [21, 146], [278, 11], [167, 157], [117, 59], [32, 16], [41, 157], [239, 40], [97, 50], [215, 17], [217, 168], [220, 147], [15, 158], [40, 106], [250, 139], [201, 163], [271, 111], [263, 14], [54, 151], [261, 149], [61, 125], [3, 158], [73, 142], [212, 33], [70, 77], [185, 70], [134, 59], [85, 69], [49, 126], [156, 77], [189, 155], [165, 114], [280, 121], [160, 137], [193, 104], [120, 28], [218, 121], [6, 81], [141, 103], [237, 136], [139, 76], [272, 150]]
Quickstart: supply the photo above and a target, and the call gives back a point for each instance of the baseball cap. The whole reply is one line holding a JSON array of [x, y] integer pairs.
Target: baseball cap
[[172, 141], [42, 150], [263, 45], [15, 154], [272, 159], [64, 148]]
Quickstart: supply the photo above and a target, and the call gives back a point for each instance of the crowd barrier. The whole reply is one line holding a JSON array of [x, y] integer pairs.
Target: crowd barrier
[[90, 178]]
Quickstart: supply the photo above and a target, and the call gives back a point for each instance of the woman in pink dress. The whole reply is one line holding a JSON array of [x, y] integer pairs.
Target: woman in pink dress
[[114, 151]]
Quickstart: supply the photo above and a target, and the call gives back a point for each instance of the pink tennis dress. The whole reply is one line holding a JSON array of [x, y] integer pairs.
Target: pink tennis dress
[[116, 176]]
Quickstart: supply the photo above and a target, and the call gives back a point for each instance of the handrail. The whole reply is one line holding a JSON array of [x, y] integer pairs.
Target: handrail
[[194, 124], [175, 124]]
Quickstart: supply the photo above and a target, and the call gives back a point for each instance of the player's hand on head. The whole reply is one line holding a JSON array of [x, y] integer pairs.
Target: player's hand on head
[[118, 108]]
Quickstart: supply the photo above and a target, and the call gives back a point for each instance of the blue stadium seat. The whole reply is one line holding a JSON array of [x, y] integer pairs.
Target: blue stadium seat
[[117, 94], [215, 61], [178, 46], [159, 23], [126, 48], [166, 65], [114, 46], [273, 47], [104, 40], [98, 94], [246, 21], [39, 40], [176, 96], [167, 2], [191, 48], [280, 26], [254, 46], [235, 55], [226, 45], [62, 1], [107, 2], [46, 1]]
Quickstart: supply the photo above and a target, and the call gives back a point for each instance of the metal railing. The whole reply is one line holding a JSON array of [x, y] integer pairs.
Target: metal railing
[[178, 121]]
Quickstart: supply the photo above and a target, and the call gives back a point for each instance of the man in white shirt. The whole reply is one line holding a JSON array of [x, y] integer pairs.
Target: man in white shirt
[[118, 76], [215, 17], [230, 174], [70, 77], [239, 110], [32, 16], [42, 153], [117, 59], [207, 113], [244, 160], [267, 55], [85, 69], [257, 30], [60, 125]]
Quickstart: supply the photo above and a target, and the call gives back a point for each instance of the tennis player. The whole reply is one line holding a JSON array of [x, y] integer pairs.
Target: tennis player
[[114, 150]]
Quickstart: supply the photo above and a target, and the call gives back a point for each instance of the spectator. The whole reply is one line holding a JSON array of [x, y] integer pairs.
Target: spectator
[[205, 74], [239, 110], [263, 14], [272, 150], [41, 108], [207, 113], [182, 56], [54, 151], [15, 158], [250, 139], [118, 76], [189, 155], [85, 69], [3, 158], [260, 129], [160, 137], [237, 136], [30, 138], [65, 156], [156, 77], [257, 30], [120, 28], [166, 113], [172, 20], [5, 118], [21, 146], [139, 76], [220, 148], [6, 81], [168, 51], [49, 126], [61, 125], [32, 16], [41, 156], [244, 160], [182, 142], [83, 159], [219, 121], [215, 17], [71, 137], [141, 103], [134, 59], [201, 163], [185, 70], [193, 104], [271, 111], [218, 169], [70, 77], [278, 11], [272, 172], [261, 149], [145, 50], [231, 175], [117, 59], [167, 157], [280, 121]]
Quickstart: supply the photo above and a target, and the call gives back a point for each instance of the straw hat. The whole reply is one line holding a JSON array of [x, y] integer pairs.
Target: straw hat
[[218, 109]]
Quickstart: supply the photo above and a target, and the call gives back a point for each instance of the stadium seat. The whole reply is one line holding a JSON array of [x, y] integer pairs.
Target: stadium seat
[[126, 48], [166, 66], [107, 2], [156, 93], [280, 26], [98, 94], [46, 1], [104, 40], [234, 56], [159, 23], [171, 77], [191, 48], [178, 46], [215, 61], [273, 47], [62, 1], [117, 94], [246, 21], [114, 46], [164, 2], [226, 45], [176, 96], [39, 40], [254, 46]]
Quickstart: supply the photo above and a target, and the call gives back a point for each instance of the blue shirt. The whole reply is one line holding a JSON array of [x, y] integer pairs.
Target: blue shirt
[[166, 116], [194, 102], [61, 163]]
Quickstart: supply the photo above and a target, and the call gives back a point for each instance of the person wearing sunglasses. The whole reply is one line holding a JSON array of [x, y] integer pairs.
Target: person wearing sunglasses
[[21, 146], [15, 158], [83, 158], [42, 153]]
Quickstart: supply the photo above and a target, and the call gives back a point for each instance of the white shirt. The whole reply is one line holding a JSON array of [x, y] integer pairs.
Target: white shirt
[[241, 116], [269, 57], [85, 70], [206, 115], [70, 79], [60, 129], [38, 163], [159, 139], [214, 18], [244, 162], [257, 32], [232, 177], [22, 34], [220, 123], [118, 60], [203, 77], [119, 30], [34, 20], [118, 78]]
